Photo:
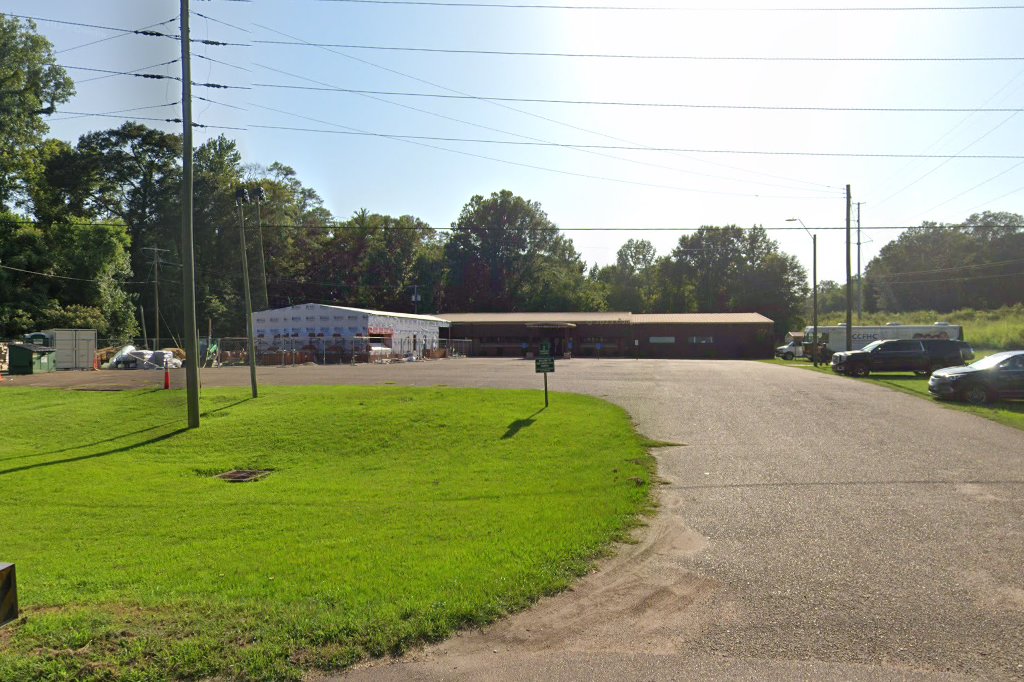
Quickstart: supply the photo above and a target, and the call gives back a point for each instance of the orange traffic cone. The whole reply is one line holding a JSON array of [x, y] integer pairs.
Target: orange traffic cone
[[167, 378]]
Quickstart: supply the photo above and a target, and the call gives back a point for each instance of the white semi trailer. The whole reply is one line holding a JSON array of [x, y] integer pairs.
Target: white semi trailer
[[834, 338]]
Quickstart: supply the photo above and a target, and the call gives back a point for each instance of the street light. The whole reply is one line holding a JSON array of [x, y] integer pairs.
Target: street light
[[814, 270]]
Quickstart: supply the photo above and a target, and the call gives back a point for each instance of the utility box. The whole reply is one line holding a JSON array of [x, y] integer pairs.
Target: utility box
[[8, 594], [76, 348], [27, 358]]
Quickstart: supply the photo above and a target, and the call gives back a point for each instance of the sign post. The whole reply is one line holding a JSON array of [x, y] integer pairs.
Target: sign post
[[544, 364], [8, 594]]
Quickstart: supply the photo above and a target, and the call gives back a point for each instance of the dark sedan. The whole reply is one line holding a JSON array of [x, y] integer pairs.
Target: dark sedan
[[998, 376]]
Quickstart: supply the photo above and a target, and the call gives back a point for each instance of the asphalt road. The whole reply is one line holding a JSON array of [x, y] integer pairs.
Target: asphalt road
[[811, 527]]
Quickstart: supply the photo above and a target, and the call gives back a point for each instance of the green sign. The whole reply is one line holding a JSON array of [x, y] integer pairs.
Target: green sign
[[545, 349], [545, 365]]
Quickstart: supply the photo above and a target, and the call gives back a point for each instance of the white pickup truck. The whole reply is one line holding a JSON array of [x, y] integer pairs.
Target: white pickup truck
[[790, 350]]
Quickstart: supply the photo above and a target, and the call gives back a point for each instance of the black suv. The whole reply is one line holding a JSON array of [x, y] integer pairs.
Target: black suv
[[918, 356]]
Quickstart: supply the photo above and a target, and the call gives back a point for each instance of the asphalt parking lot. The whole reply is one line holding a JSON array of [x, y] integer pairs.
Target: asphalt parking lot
[[810, 526]]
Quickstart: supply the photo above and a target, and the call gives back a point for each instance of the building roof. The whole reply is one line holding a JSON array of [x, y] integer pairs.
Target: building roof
[[528, 318], [702, 318], [606, 318], [300, 306]]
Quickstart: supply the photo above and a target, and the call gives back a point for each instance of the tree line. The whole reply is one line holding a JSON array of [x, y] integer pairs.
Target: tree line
[[89, 231]]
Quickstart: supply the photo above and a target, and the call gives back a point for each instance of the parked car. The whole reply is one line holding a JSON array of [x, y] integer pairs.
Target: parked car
[[947, 352], [998, 376]]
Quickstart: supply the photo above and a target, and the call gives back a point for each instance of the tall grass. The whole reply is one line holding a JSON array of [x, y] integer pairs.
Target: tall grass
[[1000, 329]]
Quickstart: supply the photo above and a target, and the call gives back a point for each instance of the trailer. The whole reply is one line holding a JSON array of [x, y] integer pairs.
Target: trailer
[[834, 338]]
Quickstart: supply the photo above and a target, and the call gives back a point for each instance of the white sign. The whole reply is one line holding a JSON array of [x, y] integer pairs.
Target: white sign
[[663, 339]]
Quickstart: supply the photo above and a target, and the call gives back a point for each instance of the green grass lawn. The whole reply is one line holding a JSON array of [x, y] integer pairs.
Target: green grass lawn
[[1008, 412], [393, 516]]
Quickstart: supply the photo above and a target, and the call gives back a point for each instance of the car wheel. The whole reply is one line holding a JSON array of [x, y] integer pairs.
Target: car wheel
[[975, 395], [787, 356], [860, 371]]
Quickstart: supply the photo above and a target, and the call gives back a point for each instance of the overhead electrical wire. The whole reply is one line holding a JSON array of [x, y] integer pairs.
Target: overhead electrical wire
[[669, 105], [76, 279], [722, 8], [541, 117], [972, 266], [593, 55], [117, 111], [689, 150], [418, 141], [527, 137], [120, 35]]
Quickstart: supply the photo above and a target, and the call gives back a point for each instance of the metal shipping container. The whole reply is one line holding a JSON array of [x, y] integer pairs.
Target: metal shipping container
[[76, 348]]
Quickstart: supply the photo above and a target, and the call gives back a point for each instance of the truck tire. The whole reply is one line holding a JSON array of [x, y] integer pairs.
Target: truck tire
[[787, 356], [975, 395], [860, 371]]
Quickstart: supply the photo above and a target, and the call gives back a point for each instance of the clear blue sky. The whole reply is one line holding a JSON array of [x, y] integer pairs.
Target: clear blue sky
[[599, 188]]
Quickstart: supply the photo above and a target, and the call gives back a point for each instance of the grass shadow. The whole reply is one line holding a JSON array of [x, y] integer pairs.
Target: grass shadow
[[69, 460], [520, 424]]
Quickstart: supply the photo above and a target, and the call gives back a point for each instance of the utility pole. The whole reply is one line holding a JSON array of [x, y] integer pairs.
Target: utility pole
[[849, 289], [142, 319], [416, 298], [258, 197], [156, 292], [188, 270], [860, 284], [242, 197]]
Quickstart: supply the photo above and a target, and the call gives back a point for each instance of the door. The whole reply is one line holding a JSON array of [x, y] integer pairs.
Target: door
[[1010, 377]]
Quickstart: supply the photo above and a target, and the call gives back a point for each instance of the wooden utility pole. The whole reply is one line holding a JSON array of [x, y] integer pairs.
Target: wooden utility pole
[[860, 277], [242, 197], [188, 264], [849, 288], [156, 293]]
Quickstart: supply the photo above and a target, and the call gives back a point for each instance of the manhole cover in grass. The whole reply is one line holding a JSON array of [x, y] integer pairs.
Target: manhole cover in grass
[[243, 475]]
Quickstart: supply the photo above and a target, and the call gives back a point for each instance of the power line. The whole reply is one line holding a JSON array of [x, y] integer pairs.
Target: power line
[[627, 8], [224, 23], [82, 114], [76, 279], [541, 117], [596, 55], [121, 35], [956, 279], [217, 61], [690, 150], [956, 268], [142, 32], [117, 111], [353, 131], [670, 105], [527, 137], [111, 74]]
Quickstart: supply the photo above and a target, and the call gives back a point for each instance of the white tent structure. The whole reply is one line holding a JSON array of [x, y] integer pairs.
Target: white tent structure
[[324, 327]]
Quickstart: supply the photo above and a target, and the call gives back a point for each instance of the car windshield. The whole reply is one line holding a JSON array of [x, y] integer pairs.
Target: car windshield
[[991, 360], [871, 346]]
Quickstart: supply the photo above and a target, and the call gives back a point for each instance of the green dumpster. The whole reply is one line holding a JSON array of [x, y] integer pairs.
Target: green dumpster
[[27, 358]]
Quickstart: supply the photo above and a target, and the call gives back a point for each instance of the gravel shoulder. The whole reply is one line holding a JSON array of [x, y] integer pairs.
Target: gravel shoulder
[[810, 526]]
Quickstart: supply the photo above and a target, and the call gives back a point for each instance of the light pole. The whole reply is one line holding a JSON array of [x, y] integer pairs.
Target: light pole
[[814, 278], [242, 197]]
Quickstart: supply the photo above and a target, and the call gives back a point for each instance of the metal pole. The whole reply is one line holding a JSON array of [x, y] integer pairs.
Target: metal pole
[[814, 270], [849, 288], [248, 302], [188, 271], [545, 389], [142, 318]]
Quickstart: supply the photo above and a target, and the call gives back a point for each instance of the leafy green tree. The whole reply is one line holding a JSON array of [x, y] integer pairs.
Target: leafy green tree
[[31, 86], [729, 269], [504, 254], [945, 267]]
